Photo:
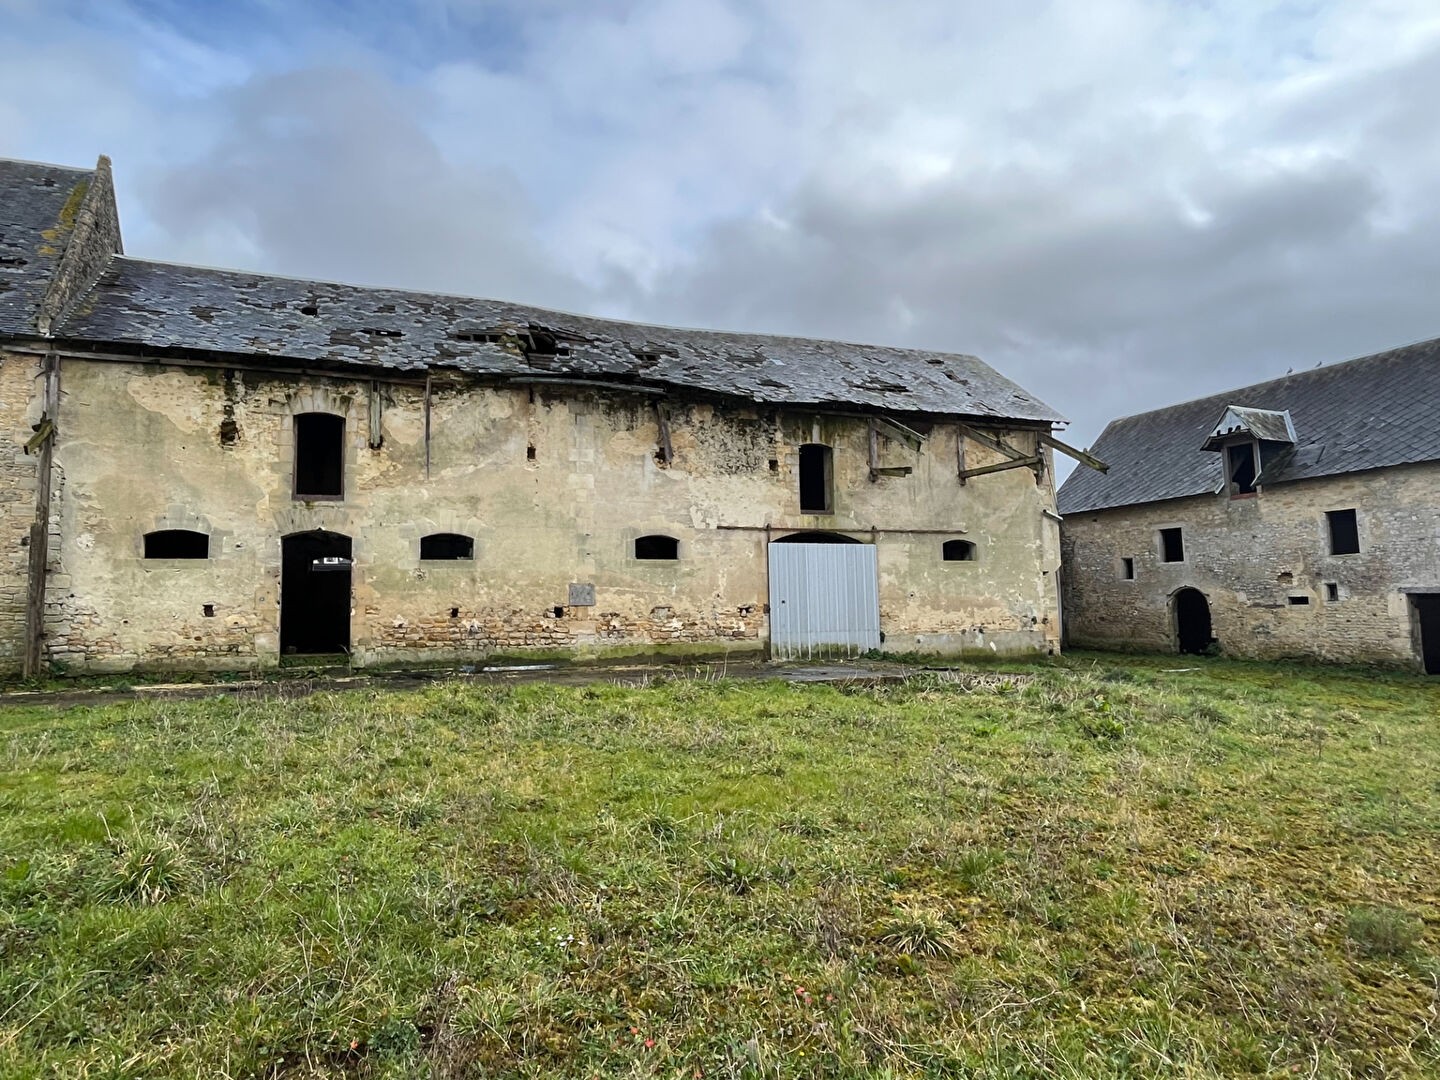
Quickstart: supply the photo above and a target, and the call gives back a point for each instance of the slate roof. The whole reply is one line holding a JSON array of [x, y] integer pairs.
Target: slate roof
[[152, 305], [1362, 414], [37, 204]]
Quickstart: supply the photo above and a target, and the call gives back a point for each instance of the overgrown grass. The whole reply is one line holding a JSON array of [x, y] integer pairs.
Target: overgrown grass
[[1113, 870]]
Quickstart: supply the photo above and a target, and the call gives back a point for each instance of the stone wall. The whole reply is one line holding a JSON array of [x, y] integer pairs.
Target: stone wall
[[554, 484], [19, 410], [1250, 556]]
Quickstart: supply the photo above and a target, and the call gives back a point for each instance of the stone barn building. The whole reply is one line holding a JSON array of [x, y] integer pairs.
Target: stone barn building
[[1295, 518], [207, 468]]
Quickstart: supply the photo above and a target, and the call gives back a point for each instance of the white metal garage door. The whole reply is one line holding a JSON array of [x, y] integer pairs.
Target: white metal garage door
[[824, 600]]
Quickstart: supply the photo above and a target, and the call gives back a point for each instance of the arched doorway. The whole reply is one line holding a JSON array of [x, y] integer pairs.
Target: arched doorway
[[1192, 621], [315, 593], [816, 537]]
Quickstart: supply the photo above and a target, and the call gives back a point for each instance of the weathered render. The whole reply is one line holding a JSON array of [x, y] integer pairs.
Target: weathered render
[[1361, 437], [545, 445]]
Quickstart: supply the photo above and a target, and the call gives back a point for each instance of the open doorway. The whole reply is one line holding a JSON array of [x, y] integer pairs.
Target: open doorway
[[1192, 621], [315, 593], [1427, 627]]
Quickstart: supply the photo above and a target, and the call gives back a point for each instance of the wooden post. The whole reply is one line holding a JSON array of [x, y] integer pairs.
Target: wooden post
[[40, 528], [960, 453], [427, 425]]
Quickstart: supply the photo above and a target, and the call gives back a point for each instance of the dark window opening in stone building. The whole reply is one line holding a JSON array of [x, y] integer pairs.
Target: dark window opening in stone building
[[1332, 592], [1426, 607], [1240, 468], [319, 456], [657, 547], [1172, 545], [1127, 569], [315, 593], [1299, 601], [176, 544], [816, 478], [1192, 622], [957, 551], [1344, 532], [446, 546]]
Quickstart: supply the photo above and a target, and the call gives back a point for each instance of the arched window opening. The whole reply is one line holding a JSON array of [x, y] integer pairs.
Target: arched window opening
[[319, 456], [657, 547], [816, 538], [447, 546], [817, 476], [176, 544], [957, 551]]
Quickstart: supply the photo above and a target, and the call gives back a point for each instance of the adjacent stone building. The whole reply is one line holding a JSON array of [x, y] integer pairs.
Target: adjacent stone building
[[1295, 518], [204, 468]]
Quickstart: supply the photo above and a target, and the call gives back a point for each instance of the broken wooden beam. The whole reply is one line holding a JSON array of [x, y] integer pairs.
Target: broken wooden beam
[[997, 445], [1079, 455], [667, 451]]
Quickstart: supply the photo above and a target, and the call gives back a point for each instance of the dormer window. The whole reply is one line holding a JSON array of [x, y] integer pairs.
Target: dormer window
[[1240, 468]]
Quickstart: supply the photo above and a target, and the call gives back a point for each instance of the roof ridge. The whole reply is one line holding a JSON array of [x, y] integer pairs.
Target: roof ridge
[[45, 164]]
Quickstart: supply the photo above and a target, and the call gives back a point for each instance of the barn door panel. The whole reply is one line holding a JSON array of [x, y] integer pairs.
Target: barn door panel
[[824, 600]]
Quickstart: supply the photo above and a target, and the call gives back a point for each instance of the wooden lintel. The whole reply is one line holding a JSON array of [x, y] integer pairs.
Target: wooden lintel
[[994, 444], [1070, 451], [1001, 466], [893, 470]]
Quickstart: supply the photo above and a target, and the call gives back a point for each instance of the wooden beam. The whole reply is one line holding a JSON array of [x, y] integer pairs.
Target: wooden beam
[[1001, 466], [427, 425], [377, 436], [994, 444], [40, 528], [896, 430], [1070, 451], [667, 451]]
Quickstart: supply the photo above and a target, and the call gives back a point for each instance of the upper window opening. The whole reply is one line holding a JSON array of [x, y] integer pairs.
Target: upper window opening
[[319, 456], [1240, 468], [1127, 568], [176, 544], [657, 547], [1299, 601], [816, 479], [957, 551], [1344, 532], [447, 546], [1172, 545]]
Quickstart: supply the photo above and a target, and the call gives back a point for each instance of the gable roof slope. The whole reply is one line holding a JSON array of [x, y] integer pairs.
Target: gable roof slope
[[143, 305], [1368, 413], [38, 208]]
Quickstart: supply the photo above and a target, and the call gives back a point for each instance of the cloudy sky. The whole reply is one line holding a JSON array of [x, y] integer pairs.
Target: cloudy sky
[[1119, 203]]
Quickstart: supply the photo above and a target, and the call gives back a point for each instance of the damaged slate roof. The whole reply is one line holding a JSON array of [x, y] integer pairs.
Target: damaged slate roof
[[37, 209], [146, 305], [1369, 413]]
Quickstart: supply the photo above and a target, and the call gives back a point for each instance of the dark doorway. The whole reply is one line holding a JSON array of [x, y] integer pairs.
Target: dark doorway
[[1192, 621], [1427, 622], [315, 593]]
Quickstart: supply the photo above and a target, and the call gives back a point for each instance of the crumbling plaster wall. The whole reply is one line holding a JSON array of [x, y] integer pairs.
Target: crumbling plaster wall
[[1250, 555], [554, 484]]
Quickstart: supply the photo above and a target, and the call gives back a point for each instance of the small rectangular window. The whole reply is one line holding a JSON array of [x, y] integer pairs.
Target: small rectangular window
[[1127, 569], [1344, 532], [1240, 469], [1299, 601], [1172, 545], [319, 456], [1332, 592]]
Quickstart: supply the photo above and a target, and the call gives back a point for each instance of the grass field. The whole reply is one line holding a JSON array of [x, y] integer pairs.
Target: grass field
[[1097, 869]]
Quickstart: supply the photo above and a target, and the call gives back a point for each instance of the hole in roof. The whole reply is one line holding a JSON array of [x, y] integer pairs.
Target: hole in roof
[[309, 309], [485, 337], [378, 331]]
